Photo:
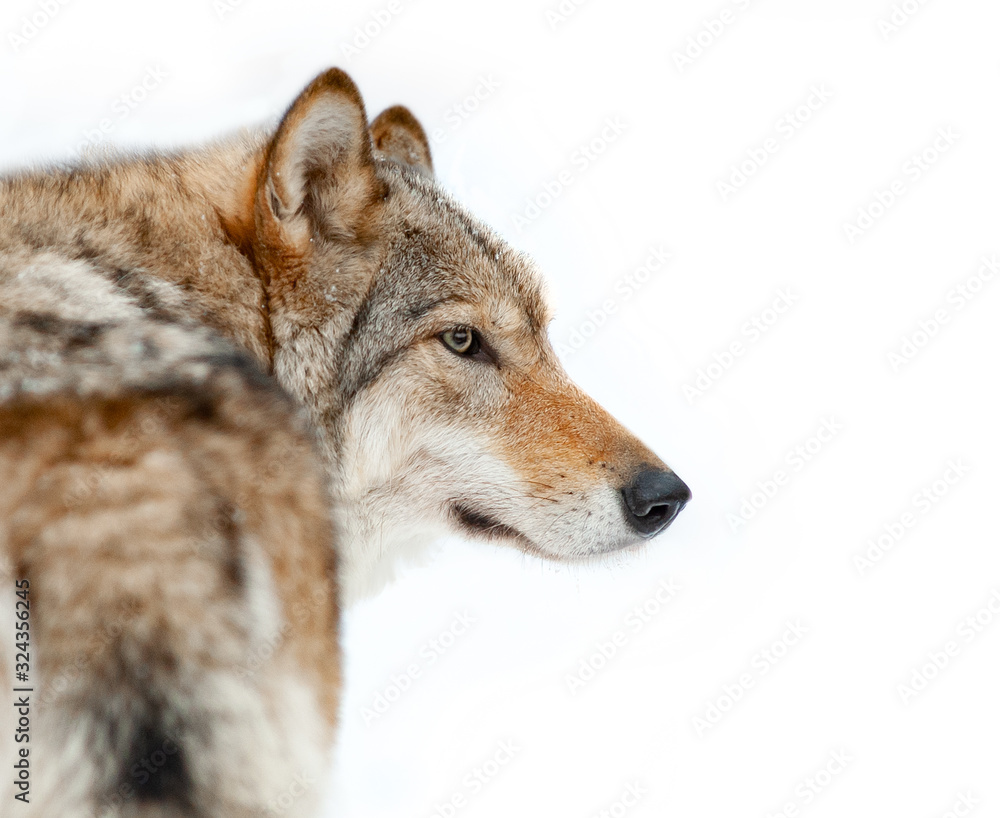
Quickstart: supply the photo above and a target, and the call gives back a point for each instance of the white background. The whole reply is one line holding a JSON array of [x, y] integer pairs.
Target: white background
[[837, 690]]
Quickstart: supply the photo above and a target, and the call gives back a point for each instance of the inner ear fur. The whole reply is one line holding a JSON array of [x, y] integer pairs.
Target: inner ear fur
[[396, 134]]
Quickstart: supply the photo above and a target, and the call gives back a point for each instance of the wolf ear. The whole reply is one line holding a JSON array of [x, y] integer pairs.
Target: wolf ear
[[397, 135], [318, 169]]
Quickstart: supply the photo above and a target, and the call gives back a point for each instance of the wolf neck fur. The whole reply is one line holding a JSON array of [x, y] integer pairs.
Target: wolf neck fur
[[102, 213]]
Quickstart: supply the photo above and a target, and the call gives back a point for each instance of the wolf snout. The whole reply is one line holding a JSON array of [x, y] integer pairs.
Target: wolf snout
[[653, 499]]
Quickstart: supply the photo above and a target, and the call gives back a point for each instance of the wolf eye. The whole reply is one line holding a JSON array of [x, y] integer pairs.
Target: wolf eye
[[462, 341]]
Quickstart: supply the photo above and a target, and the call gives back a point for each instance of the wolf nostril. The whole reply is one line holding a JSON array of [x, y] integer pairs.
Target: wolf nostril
[[653, 499]]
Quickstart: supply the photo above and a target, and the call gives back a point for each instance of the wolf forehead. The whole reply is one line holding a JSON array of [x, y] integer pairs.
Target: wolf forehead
[[437, 254]]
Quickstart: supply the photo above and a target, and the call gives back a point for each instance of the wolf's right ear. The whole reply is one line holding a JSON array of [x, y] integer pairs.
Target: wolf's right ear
[[318, 171], [398, 135]]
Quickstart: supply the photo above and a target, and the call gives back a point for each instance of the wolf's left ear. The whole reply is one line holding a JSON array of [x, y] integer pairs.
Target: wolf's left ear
[[319, 168], [398, 135]]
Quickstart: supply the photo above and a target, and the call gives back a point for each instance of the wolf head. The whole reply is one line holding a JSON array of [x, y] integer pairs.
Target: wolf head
[[417, 338]]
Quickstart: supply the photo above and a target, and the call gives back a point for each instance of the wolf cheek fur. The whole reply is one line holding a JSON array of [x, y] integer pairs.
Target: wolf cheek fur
[[200, 355]]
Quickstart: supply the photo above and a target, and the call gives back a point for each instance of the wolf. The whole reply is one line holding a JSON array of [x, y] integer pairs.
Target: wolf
[[239, 384]]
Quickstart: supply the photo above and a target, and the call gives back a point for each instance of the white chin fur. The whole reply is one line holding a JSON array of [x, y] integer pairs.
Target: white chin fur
[[396, 488]]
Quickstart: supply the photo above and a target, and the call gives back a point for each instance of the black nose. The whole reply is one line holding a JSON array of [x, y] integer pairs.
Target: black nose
[[653, 499]]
